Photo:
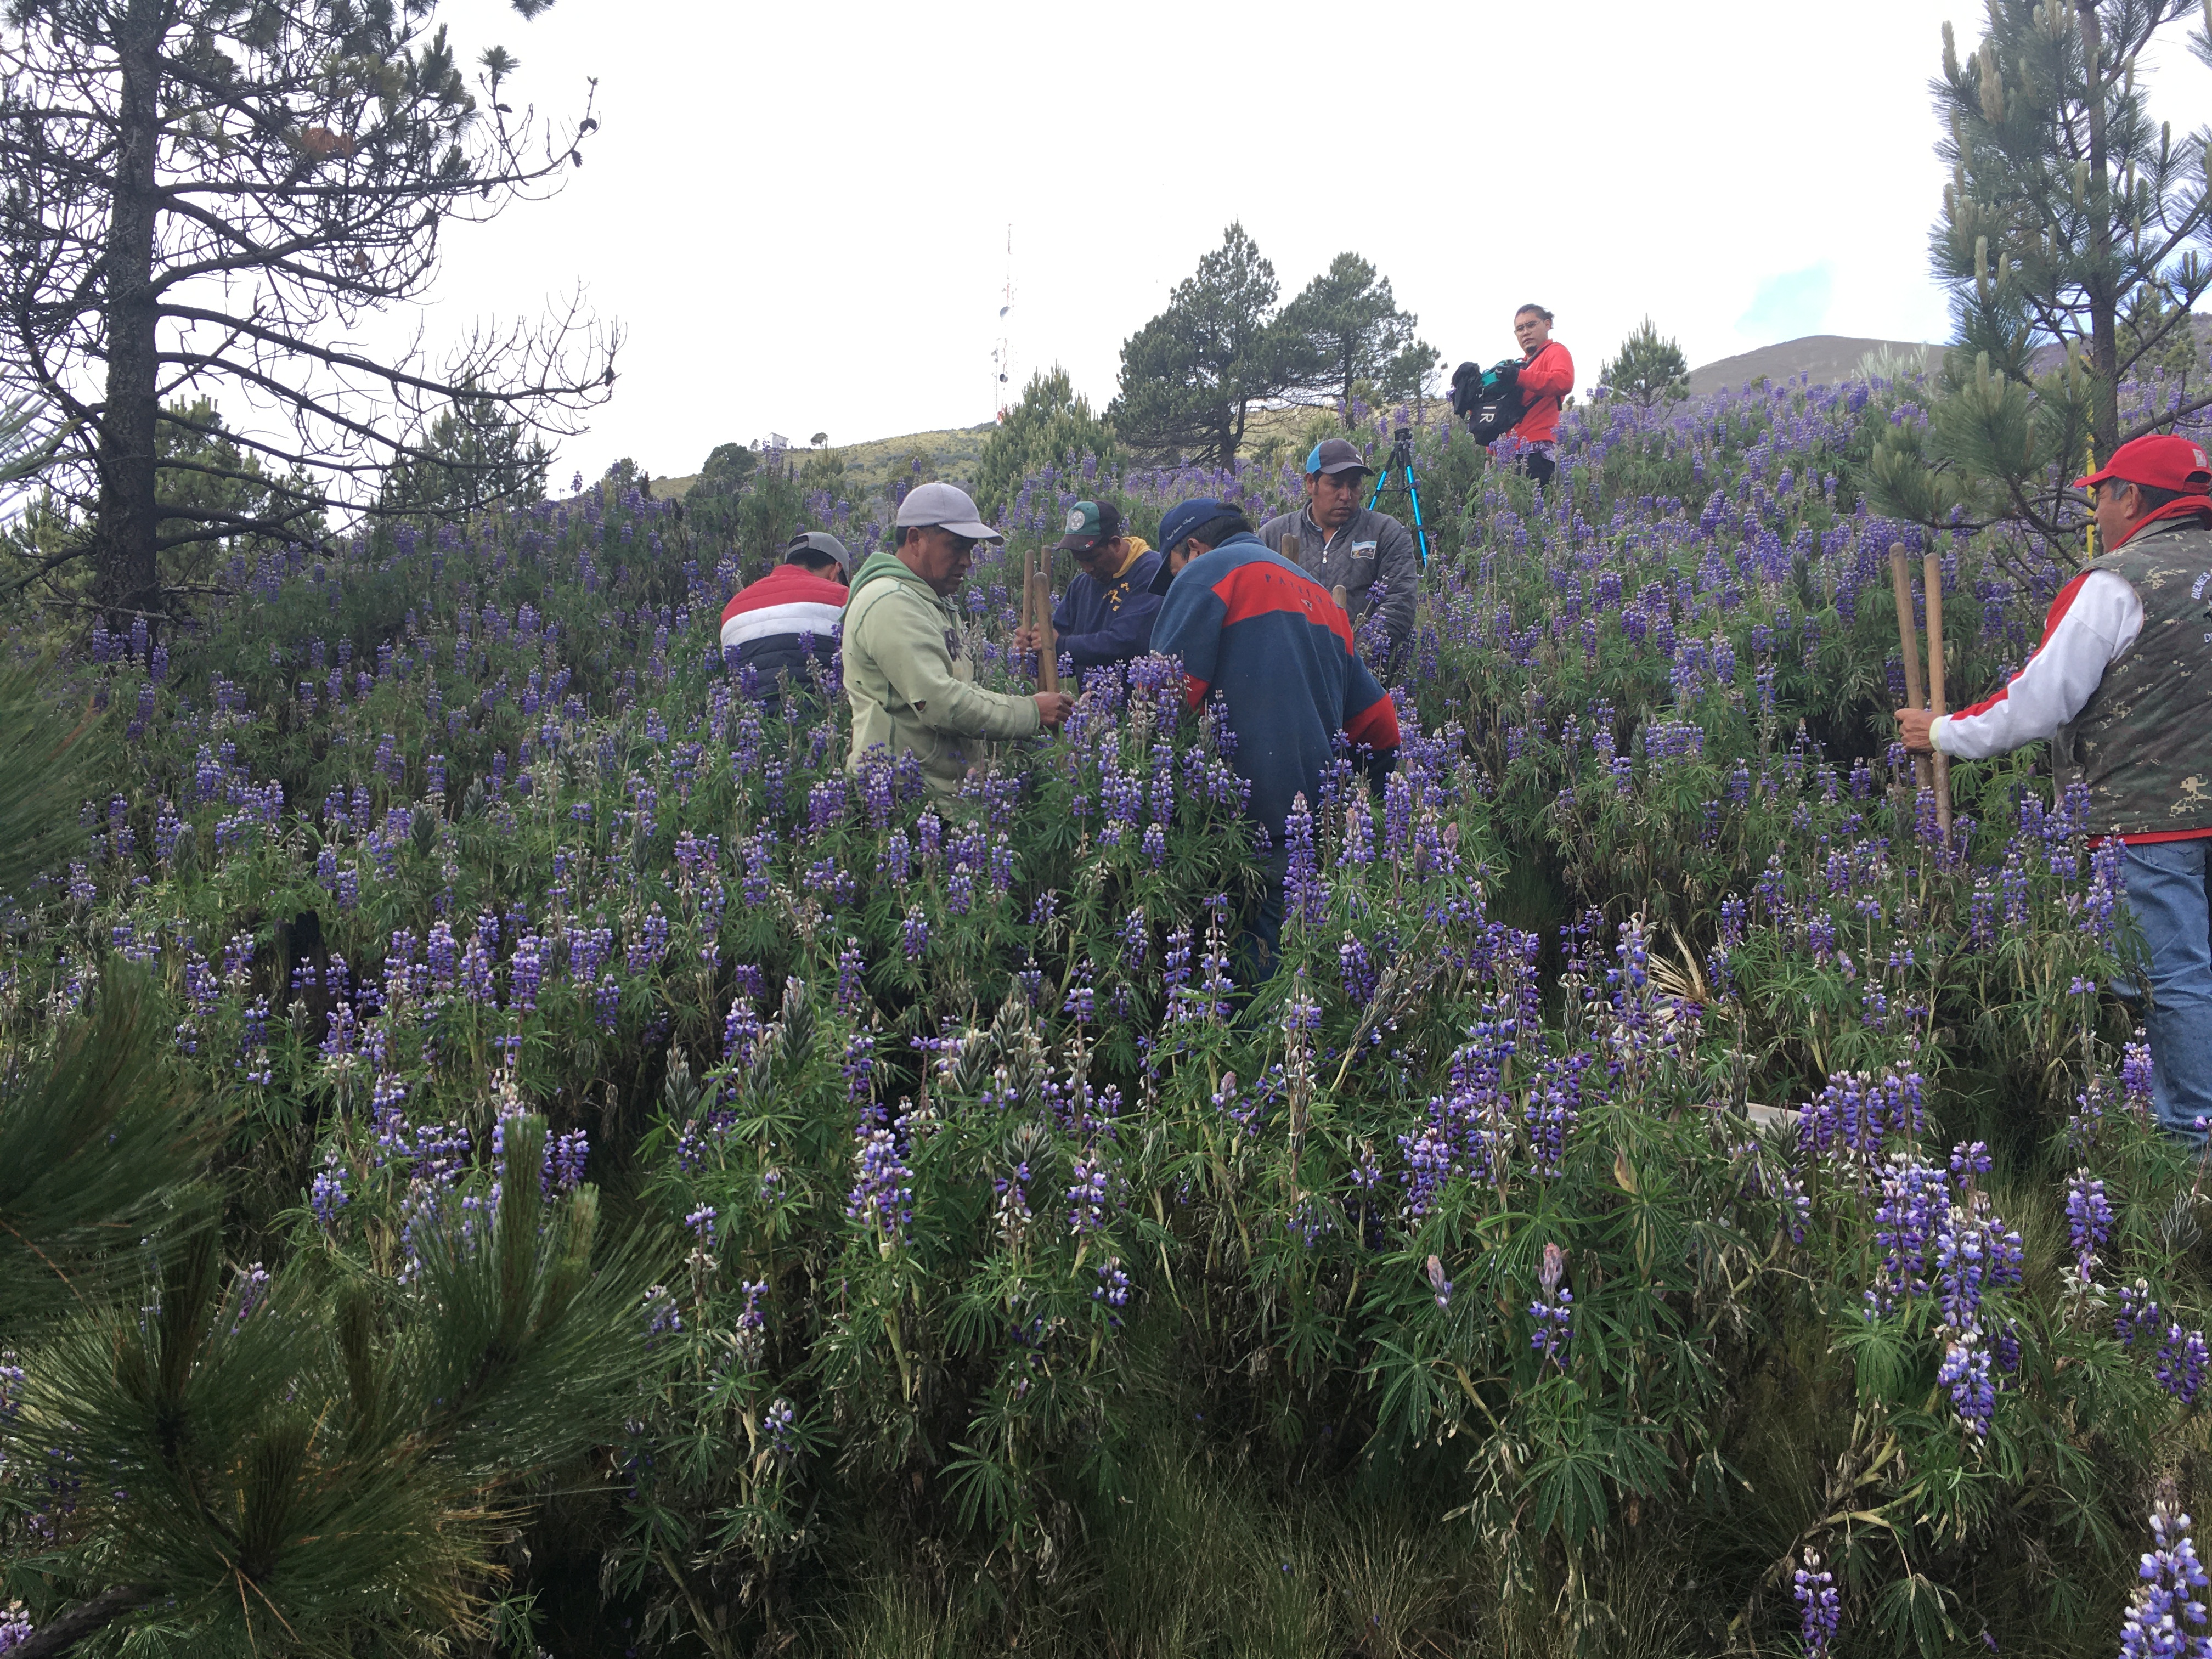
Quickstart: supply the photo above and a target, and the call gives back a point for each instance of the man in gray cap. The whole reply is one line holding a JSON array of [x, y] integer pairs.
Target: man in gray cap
[[1344, 544], [911, 680]]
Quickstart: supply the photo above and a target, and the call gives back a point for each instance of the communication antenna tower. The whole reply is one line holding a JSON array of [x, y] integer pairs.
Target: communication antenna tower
[[1004, 390]]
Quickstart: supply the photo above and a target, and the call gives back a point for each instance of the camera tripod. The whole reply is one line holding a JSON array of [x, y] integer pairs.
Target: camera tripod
[[1401, 459]]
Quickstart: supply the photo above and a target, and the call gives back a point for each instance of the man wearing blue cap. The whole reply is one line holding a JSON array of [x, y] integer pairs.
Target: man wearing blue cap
[[1250, 625], [1342, 543]]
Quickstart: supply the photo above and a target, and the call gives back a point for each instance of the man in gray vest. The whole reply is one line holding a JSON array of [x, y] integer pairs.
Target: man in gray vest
[[2120, 683], [1342, 544]]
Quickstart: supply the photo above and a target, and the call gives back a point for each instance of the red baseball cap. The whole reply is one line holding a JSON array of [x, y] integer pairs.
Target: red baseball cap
[[2160, 460]]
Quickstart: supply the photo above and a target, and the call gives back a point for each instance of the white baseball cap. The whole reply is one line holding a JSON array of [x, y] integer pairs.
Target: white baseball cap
[[947, 507]]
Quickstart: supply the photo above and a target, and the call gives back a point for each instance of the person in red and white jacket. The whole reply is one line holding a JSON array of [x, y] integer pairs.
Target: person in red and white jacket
[[772, 627], [1545, 375], [2120, 683]]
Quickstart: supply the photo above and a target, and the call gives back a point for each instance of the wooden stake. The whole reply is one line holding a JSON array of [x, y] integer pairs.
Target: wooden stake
[[1342, 595], [1916, 697], [1048, 646], [1931, 577]]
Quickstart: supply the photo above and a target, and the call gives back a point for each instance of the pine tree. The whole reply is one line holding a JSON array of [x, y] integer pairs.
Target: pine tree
[[472, 457], [1191, 376], [2068, 207], [1345, 334], [1051, 426], [1647, 369], [2069, 222]]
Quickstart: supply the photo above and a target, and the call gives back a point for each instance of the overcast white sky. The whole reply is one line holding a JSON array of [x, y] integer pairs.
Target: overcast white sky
[[799, 213]]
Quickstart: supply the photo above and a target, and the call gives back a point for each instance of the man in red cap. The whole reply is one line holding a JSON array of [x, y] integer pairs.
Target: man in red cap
[[2120, 681]]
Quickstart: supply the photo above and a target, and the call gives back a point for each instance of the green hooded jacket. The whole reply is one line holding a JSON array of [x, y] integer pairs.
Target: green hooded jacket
[[911, 681]]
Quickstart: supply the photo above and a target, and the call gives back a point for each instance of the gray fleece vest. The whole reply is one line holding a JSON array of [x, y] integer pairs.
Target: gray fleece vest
[[2142, 743]]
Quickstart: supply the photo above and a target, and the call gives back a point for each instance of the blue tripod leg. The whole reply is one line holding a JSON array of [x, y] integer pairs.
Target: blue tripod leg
[[1420, 534]]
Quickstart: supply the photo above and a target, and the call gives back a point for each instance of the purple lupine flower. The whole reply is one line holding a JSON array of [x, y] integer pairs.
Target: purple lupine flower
[[882, 1195], [565, 1157], [1554, 1310], [914, 933], [1439, 1286], [1973, 1255], [1088, 1197], [1305, 895], [2137, 1314], [1113, 1286], [751, 1328], [2088, 1218], [1965, 1373], [858, 1067], [2167, 1618], [2181, 1362], [1821, 1608], [851, 993], [252, 1288], [526, 973], [327, 1196], [662, 1317]]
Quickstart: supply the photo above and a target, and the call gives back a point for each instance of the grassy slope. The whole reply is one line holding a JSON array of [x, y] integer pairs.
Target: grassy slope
[[953, 452]]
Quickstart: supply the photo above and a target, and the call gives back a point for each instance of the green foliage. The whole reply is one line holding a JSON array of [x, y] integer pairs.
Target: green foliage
[[1649, 369], [473, 456], [48, 764], [323, 1455], [725, 471], [22, 453], [1344, 336], [1052, 426], [97, 1139], [1191, 376], [1040, 1286]]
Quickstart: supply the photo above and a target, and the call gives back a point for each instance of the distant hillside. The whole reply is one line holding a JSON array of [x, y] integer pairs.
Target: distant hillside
[[953, 453], [1827, 357]]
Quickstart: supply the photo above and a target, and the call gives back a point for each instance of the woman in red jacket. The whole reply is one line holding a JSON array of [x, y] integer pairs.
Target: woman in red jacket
[[1545, 376]]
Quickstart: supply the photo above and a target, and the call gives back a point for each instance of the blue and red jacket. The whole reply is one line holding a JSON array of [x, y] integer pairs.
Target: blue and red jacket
[[1273, 641]]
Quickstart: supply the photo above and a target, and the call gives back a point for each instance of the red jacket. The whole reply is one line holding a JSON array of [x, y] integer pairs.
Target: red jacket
[[1546, 379]]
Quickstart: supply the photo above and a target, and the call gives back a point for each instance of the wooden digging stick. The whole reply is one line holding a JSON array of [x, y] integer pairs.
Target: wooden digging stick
[[1915, 695], [1931, 578], [1342, 595], [1048, 646]]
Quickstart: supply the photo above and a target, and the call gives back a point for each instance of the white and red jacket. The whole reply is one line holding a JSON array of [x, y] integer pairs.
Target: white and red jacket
[[2094, 621], [786, 616]]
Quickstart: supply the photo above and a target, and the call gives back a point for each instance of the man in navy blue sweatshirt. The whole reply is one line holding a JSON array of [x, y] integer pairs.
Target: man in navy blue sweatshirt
[[1106, 614], [1277, 645]]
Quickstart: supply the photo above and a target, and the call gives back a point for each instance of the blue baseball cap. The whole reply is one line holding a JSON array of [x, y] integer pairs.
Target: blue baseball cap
[[1185, 517]]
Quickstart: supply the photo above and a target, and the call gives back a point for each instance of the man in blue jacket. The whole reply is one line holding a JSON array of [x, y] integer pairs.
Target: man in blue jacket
[[1277, 647], [1106, 614]]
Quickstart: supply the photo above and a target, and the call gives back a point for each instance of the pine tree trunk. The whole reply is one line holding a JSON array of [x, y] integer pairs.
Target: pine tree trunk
[[128, 574], [2104, 301]]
